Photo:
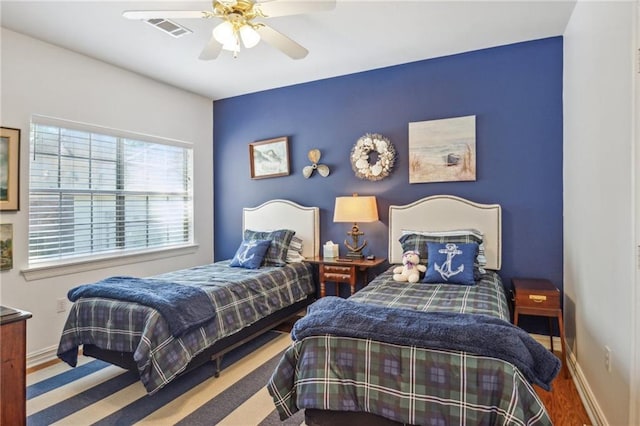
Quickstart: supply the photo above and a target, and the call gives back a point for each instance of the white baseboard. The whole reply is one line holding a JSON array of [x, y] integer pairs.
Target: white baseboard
[[582, 385], [545, 341], [586, 395], [42, 356]]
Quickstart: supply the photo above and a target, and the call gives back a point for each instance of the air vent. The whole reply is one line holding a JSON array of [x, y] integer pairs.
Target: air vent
[[169, 27]]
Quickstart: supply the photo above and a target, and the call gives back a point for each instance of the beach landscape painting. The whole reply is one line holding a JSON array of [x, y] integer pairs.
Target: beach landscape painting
[[442, 150]]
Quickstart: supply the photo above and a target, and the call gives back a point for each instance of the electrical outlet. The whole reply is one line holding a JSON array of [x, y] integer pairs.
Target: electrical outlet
[[61, 305], [607, 358]]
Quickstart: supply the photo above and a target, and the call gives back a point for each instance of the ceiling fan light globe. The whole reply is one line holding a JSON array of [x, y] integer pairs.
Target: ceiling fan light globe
[[232, 46], [249, 36], [223, 33]]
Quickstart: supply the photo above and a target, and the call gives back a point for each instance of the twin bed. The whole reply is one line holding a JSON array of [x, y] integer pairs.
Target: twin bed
[[413, 353], [418, 353], [242, 303]]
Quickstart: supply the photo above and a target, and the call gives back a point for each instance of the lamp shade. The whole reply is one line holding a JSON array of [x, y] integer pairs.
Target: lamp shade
[[355, 209]]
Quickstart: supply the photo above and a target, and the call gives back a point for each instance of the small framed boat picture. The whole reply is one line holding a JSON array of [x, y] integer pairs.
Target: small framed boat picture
[[269, 158], [443, 150]]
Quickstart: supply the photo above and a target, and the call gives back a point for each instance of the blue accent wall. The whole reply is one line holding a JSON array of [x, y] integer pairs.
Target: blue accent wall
[[515, 92]]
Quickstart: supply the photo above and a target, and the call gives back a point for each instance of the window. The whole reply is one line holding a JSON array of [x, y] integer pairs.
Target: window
[[97, 192]]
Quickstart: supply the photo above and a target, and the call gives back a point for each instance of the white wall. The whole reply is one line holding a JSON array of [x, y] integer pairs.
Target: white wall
[[39, 78], [599, 275]]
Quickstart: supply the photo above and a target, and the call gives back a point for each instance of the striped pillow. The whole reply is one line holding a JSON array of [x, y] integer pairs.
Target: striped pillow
[[280, 240], [294, 252]]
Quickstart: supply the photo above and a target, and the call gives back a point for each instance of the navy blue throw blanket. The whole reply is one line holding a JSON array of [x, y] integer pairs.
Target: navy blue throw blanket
[[478, 334], [184, 307]]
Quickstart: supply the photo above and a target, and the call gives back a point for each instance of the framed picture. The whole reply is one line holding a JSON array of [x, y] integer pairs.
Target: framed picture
[[6, 246], [9, 169], [269, 158], [443, 150]]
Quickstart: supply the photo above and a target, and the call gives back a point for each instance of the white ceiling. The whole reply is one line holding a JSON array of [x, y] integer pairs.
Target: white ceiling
[[355, 36]]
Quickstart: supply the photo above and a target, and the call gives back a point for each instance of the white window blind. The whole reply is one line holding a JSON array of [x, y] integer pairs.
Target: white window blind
[[96, 192]]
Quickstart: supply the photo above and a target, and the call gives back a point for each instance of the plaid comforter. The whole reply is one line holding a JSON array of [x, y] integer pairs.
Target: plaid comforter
[[241, 297], [409, 384]]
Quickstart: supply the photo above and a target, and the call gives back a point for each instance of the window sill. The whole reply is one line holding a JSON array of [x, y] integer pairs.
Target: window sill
[[54, 270]]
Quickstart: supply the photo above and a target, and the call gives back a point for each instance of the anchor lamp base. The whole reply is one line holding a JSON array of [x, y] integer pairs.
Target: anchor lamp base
[[355, 248], [354, 255]]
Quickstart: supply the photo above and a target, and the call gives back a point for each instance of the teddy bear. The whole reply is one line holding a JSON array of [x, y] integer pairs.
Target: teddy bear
[[410, 269]]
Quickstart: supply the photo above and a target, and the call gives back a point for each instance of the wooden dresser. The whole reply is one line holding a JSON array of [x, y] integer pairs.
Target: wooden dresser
[[13, 358]]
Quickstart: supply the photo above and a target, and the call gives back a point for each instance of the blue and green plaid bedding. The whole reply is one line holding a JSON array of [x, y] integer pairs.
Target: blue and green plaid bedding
[[241, 297], [487, 297], [409, 384]]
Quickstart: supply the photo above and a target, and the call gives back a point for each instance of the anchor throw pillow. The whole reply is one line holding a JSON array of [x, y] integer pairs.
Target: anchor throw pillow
[[451, 263], [417, 241], [250, 254]]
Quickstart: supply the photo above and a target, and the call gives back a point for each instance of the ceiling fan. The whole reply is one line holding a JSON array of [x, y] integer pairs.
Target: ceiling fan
[[239, 25]]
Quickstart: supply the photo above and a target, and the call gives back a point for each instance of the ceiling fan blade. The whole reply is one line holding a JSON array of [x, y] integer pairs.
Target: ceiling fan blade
[[155, 14], [287, 8], [282, 42], [211, 50]]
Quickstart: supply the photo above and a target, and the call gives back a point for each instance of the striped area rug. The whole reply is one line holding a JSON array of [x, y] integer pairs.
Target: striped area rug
[[98, 393]]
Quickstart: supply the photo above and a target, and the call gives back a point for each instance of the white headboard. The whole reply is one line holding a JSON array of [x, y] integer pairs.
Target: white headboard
[[444, 213], [284, 214]]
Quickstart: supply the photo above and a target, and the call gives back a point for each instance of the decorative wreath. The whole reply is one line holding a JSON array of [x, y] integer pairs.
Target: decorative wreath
[[361, 157]]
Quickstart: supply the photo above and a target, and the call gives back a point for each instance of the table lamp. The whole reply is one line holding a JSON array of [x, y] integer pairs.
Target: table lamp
[[355, 209]]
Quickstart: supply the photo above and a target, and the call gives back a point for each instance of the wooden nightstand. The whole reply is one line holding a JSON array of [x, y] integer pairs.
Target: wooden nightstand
[[343, 271], [536, 296]]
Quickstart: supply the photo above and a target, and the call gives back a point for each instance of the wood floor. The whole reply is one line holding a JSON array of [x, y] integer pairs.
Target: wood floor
[[563, 403]]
